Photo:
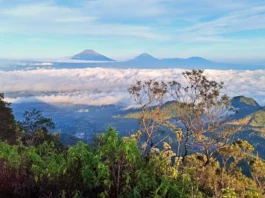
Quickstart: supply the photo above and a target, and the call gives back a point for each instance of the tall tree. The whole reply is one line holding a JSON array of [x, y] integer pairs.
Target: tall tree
[[200, 109], [148, 94], [7, 122], [35, 121], [37, 128]]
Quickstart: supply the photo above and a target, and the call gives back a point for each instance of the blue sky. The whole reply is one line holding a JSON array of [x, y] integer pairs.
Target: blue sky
[[228, 31]]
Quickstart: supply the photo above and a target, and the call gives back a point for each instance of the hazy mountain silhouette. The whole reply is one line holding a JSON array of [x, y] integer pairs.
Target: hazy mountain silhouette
[[149, 62], [144, 57], [91, 55], [142, 61]]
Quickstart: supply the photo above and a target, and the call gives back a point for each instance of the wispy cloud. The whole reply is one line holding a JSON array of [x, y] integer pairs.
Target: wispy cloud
[[46, 18], [75, 19], [219, 28], [248, 19], [123, 17]]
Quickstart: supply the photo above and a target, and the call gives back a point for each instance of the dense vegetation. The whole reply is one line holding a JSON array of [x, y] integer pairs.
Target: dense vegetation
[[197, 157]]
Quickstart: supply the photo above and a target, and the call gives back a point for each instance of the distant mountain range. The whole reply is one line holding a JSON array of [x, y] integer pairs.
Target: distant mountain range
[[144, 58], [147, 61], [91, 58]]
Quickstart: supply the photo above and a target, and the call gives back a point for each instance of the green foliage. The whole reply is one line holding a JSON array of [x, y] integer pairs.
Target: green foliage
[[10, 154], [111, 167], [259, 119], [114, 166], [257, 166], [92, 171], [229, 193], [8, 126]]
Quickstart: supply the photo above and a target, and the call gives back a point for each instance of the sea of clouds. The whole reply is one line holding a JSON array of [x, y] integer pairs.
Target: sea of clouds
[[104, 86]]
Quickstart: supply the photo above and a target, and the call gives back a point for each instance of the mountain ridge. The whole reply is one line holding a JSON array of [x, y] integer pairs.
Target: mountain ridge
[[141, 57], [147, 61]]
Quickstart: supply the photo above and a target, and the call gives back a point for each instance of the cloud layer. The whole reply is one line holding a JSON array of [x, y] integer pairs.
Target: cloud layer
[[101, 86]]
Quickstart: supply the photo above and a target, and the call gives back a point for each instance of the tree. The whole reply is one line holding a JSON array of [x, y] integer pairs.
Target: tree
[[202, 111], [37, 128], [257, 166], [199, 106], [34, 121], [147, 94], [7, 122]]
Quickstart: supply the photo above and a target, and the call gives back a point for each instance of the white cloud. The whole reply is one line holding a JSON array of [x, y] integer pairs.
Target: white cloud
[[81, 97], [98, 86], [42, 64], [82, 111]]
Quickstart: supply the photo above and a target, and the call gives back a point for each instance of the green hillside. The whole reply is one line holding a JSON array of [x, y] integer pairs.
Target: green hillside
[[248, 101], [254, 122], [250, 115]]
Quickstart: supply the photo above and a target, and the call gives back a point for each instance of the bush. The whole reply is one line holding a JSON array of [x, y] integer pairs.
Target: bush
[[112, 166]]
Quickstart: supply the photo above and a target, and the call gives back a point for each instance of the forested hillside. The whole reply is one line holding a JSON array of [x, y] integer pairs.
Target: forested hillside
[[191, 146], [248, 115]]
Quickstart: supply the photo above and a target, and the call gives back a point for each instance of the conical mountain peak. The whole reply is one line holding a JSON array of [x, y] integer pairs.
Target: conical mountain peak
[[91, 55], [145, 56]]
